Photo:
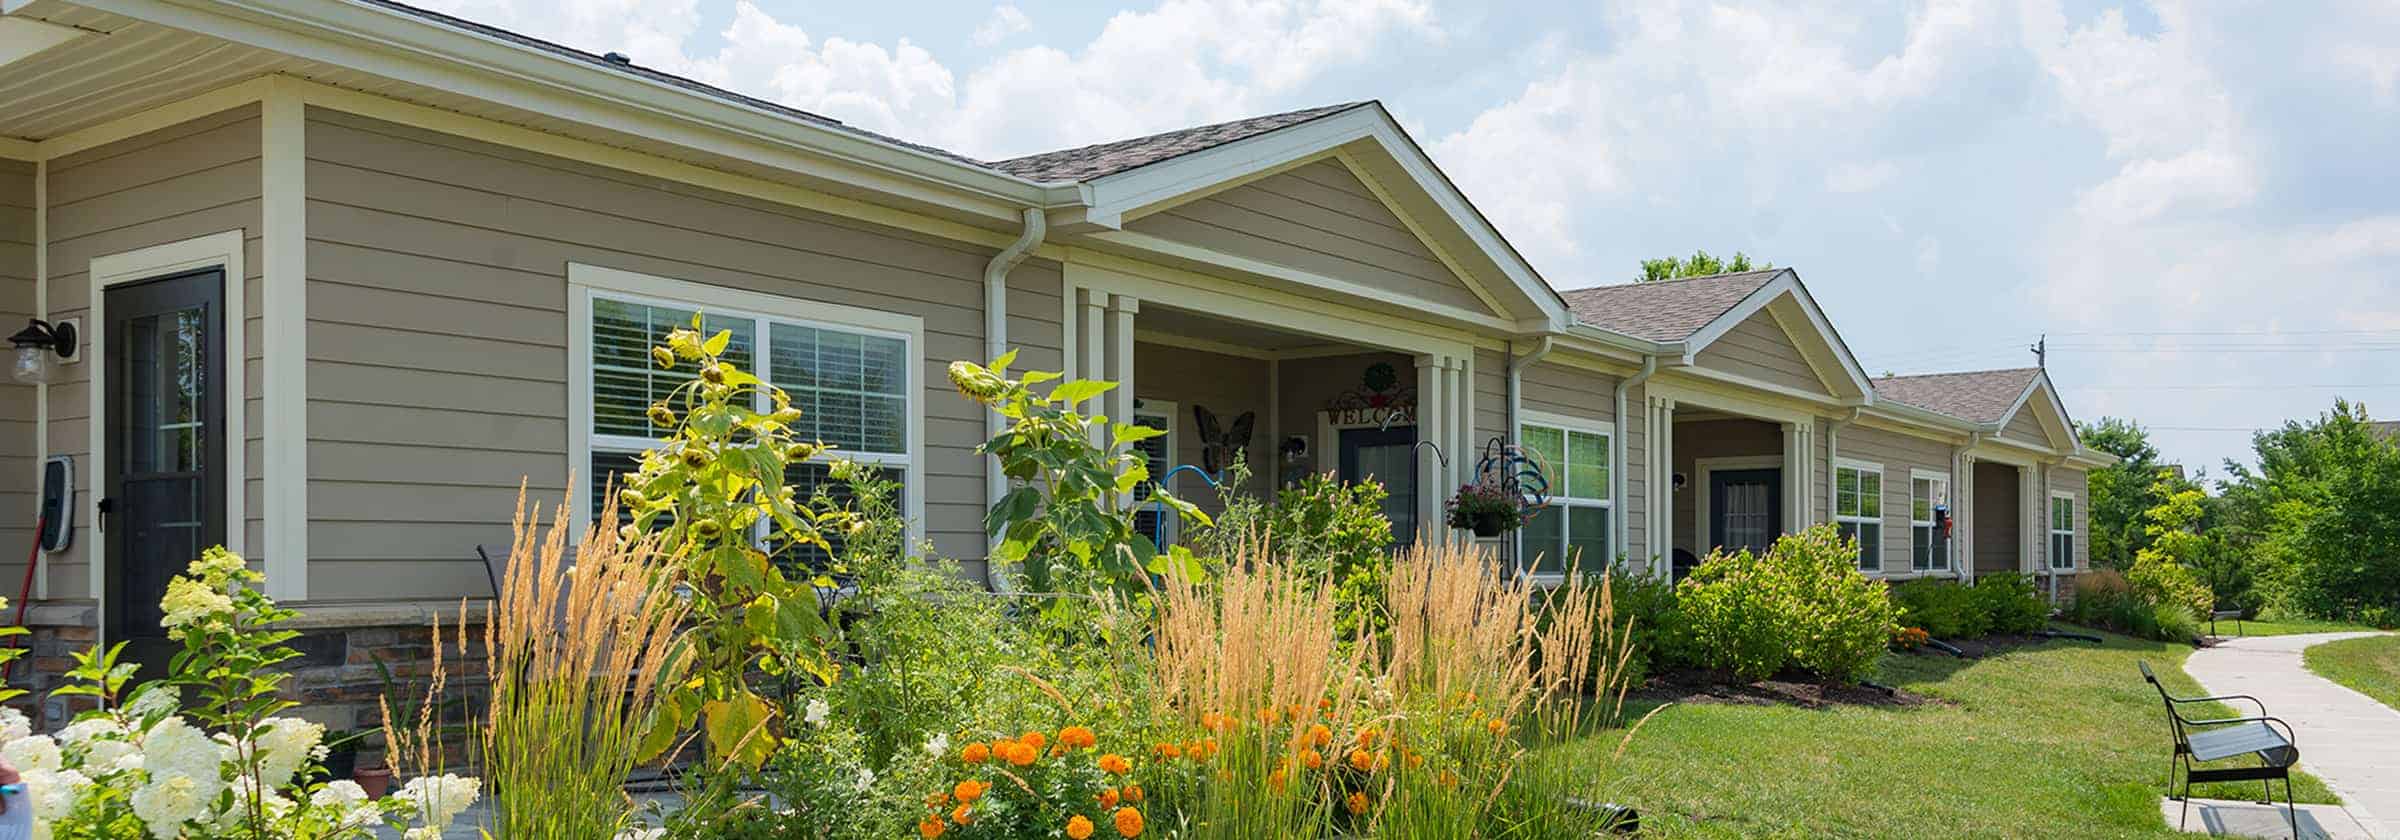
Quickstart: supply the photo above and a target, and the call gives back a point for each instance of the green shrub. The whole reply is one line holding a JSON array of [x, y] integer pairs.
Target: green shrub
[[1332, 529], [1644, 605], [2158, 580], [1942, 609], [2009, 603], [1804, 604], [2104, 599]]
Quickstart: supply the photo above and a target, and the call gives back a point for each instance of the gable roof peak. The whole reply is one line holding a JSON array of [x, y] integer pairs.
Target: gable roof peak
[[1666, 310], [1978, 396]]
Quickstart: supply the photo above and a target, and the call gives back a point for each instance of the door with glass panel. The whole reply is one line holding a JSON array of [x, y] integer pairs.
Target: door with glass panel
[[1388, 456], [164, 492], [1746, 509]]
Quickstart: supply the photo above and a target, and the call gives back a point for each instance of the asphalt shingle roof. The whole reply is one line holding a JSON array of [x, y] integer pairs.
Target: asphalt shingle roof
[[1098, 160], [1980, 396], [1668, 310]]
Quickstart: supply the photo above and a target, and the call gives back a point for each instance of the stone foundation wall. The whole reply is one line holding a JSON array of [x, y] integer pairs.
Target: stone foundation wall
[[339, 678]]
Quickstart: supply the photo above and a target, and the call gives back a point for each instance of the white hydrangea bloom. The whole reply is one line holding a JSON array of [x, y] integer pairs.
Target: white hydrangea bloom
[[817, 710], [176, 748], [89, 728], [939, 746], [216, 565], [356, 811], [54, 792], [440, 799], [151, 700], [13, 724], [189, 601], [110, 755], [166, 803], [32, 752], [283, 745]]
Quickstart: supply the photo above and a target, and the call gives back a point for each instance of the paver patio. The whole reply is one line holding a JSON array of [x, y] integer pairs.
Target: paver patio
[[2346, 738]]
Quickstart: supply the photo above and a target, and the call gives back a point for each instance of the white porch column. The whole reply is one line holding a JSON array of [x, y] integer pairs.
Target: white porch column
[[1432, 483], [1121, 309], [2026, 521], [1962, 515], [1660, 499], [1797, 477], [1091, 343]]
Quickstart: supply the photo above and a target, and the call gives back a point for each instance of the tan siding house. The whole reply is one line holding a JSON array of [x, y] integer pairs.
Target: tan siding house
[[433, 274]]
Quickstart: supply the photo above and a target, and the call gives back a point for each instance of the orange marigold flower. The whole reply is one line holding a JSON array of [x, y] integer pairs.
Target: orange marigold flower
[[1319, 735], [1078, 737], [931, 827], [1356, 802], [1362, 760], [1107, 798], [1079, 827], [1295, 711], [1367, 736], [968, 791], [1267, 715], [961, 816], [1020, 753], [1033, 739], [1497, 726], [1210, 744], [937, 801], [1416, 759], [1129, 822], [1167, 750], [975, 753], [1115, 764], [1133, 793], [1312, 759], [1058, 750], [1448, 779], [1275, 779]]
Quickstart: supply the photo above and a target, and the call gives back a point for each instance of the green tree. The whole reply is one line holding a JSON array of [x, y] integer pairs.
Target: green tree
[[2320, 515], [2121, 492], [1700, 264]]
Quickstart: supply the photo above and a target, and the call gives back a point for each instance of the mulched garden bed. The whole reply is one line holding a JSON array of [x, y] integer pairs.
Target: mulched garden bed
[[1701, 686]]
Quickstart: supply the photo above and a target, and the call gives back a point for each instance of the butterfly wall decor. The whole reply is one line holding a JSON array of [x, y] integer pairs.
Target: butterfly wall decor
[[1219, 443]]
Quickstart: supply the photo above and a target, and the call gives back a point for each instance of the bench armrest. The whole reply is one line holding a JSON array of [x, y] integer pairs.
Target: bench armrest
[[2262, 706]]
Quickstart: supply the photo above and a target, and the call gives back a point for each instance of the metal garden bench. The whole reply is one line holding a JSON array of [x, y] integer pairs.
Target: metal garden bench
[[2217, 739], [2215, 615]]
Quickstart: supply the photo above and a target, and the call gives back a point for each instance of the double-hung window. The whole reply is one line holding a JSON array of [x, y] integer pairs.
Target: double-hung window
[[1573, 458], [851, 372], [1927, 491], [2062, 530], [1158, 456], [1858, 509]]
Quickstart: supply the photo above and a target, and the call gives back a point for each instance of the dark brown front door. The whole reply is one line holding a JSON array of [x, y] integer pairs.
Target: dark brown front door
[[164, 494]]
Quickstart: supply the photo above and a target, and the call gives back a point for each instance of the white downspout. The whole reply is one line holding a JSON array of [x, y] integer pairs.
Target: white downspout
[[1516, 403], [1962, 475], [1833, 449], [995, 342], [1616, 461]]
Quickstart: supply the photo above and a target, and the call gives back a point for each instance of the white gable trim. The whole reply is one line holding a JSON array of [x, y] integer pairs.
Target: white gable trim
[[1131, 193], [2055, 421], [1786, 283]]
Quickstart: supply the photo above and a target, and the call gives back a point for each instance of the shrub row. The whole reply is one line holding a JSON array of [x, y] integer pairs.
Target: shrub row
[[2104, 599], [1999, 603]]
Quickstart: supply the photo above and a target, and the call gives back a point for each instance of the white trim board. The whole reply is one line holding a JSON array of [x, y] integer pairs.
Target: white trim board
[[584, 281], [222, 251]]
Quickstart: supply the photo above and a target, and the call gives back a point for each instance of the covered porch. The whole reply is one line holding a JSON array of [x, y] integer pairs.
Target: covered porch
[[1737, 473]]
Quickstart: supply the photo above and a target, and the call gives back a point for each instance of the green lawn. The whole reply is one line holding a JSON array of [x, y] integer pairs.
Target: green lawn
[[2280, 626], [2369, 665], [2059, 740]]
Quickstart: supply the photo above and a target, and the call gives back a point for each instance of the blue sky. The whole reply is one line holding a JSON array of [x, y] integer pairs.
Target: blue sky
[[2197, 201]]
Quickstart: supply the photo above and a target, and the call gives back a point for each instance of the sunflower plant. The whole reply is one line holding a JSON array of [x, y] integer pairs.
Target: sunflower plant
[[710, 488], [1067, 520]]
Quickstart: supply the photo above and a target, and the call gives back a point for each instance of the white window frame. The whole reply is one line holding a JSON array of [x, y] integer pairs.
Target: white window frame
[[1566, 424], [1147, 407], [2050, 517], [1866, 549], [587, 282], [1947, 559]]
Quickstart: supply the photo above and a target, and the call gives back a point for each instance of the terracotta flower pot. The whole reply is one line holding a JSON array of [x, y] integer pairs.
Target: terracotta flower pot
[[376, 781]]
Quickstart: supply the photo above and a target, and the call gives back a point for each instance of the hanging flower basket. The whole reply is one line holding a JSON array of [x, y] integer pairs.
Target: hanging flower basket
[[1486, 510]]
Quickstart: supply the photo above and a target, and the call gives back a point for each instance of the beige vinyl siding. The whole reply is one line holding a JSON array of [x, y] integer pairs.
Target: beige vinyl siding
[[1999, 517], [437, 345], [2075, 481], [1318, 218], [1225, 385], [1898, 453], [189, 180], [2026, 427], [1759, 349], [20, 478], [1554, 388]]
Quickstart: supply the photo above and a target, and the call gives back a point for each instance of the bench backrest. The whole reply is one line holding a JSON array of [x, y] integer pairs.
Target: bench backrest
[[2174, 721]]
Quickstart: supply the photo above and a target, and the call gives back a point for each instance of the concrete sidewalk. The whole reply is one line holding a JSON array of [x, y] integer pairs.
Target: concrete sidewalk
[[2346, 738]]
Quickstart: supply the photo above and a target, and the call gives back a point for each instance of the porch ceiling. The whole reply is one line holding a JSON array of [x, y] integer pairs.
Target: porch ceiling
[[1166, 321]]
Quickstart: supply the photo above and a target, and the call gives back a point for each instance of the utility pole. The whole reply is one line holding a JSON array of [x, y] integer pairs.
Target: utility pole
[[2041, 352]]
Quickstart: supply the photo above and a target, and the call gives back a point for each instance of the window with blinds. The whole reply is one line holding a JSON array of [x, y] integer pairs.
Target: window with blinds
[[850, 384], [1858, 510], [1926, 492]]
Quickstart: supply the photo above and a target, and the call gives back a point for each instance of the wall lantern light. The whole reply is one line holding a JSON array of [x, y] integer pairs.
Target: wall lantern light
[[35, 344]]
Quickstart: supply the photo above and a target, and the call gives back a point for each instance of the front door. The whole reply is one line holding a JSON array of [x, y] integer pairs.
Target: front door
[[1388, 456], [1745, 509], [164, 493]]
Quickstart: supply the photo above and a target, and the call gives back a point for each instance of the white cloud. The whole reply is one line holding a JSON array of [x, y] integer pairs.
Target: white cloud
[[1859, 177], [2163, 113], [1006, 20]]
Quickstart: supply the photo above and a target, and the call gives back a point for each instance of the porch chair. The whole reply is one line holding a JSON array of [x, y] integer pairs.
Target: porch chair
[[2217, 739]]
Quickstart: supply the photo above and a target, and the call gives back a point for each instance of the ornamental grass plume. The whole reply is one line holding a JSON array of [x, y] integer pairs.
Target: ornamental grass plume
[[580, 653]]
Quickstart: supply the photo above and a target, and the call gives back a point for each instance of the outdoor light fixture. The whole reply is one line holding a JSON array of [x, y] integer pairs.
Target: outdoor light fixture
[[35, 344]]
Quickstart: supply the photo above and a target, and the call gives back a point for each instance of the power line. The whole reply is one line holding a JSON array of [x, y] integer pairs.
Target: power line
[[2229, 387], [2235, 332]]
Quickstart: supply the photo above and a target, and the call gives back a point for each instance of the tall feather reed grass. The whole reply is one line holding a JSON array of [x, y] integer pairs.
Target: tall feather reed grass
[[1444, 734], [581, 651]]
